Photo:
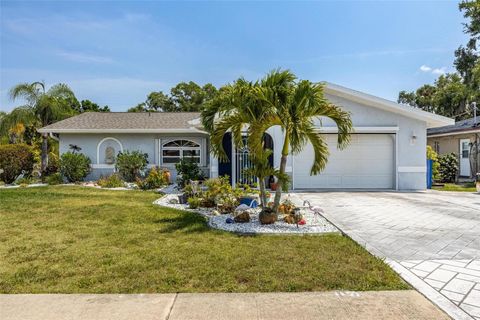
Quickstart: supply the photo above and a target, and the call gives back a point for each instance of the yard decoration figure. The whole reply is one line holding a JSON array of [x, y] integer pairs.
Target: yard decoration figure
[[109, 155]]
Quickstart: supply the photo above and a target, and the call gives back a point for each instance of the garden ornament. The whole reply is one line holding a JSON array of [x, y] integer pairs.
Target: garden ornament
[[317, 211], [229, 220]]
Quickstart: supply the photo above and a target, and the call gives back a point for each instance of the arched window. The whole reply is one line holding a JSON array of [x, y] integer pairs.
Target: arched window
[[175, 150]]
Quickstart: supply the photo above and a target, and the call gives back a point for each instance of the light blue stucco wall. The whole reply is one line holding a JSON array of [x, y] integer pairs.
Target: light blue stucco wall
[[145, 142], [410, 156]]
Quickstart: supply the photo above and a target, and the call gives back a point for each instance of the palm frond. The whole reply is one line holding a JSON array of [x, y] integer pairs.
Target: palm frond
[[24, 115], [61, 91], [29, 91]]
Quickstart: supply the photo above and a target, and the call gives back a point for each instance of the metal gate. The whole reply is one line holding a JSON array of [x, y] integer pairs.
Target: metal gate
[[243, 162]]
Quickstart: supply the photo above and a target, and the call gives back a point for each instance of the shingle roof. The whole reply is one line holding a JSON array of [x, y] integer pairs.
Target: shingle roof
[[127, 122], [459, 126]]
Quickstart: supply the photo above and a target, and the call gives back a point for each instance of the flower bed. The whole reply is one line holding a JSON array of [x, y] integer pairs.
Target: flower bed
[[315, 224]]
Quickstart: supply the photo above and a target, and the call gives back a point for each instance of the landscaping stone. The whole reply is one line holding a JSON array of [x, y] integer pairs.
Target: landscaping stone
[[314, 224], [242, 217]]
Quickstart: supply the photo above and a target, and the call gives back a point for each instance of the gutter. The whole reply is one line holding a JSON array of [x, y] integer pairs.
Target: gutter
[[452, 133]]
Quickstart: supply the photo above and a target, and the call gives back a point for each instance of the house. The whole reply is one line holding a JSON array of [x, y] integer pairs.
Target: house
[[461, 138], [387, 150]]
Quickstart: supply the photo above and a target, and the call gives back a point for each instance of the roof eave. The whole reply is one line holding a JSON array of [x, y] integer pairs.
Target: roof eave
[[53, 130], [432, 120]]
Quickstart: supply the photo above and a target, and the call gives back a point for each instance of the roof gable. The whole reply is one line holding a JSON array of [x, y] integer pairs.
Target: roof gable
[[432, 120]]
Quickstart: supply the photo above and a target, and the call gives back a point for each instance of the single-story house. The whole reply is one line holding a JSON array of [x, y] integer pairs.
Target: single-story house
[[387, 149], [461, 138]]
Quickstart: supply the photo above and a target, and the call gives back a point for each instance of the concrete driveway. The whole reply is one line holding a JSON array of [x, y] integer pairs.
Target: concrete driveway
[[431, 238]]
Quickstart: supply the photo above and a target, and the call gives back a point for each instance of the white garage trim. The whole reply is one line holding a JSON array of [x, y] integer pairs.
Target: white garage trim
[[361, 129]]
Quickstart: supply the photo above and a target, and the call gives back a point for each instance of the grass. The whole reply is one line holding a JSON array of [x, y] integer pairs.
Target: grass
[[466, 187], [85, 240]]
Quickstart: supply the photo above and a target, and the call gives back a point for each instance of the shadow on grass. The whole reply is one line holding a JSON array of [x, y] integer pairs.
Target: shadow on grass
[[186, 222]]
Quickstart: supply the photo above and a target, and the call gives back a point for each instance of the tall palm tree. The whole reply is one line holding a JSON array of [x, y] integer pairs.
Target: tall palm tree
[[235, 109], [42, 108], [294, 105]]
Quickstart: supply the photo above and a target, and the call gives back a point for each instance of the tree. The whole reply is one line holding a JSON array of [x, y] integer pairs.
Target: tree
[[293, 105], [89, 106], [277, 100], [42, 108], [452, 93], [184, 97], [237, 107]]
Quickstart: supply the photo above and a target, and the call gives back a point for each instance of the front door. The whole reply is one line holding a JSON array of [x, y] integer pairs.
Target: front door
[[465, 157]]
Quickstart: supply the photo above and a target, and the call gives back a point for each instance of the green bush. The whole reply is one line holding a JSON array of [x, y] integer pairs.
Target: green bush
[[130, 164], [74, 166], [112, 181], [53, 163], [54, 179], [188, 169], [15, 159], [194, 203], [448, 167], [156, 179]]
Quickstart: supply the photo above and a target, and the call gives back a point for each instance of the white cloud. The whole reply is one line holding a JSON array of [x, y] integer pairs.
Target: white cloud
[[425, 68], [83, 57], [437, 71]]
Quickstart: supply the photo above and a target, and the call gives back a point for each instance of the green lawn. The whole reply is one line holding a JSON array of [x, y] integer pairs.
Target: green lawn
[[467, 187], [73, 239]]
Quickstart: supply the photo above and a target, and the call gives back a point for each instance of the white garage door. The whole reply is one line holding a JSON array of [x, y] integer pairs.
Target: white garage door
[[368, 162]]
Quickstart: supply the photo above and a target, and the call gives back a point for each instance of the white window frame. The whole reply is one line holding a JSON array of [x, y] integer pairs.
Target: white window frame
[[180, 149]]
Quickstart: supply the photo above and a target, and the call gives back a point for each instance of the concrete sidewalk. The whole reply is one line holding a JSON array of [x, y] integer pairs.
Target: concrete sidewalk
[[369, 305]]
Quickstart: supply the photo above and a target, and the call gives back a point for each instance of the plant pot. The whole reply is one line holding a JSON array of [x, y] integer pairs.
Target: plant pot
[[267, 216], [182, 199], [273, 186]]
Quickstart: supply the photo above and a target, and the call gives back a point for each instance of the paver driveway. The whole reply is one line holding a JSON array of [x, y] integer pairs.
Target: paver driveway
[[433, 234]]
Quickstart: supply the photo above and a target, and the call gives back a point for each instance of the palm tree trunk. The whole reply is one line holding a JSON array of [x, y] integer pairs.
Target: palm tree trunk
[[261, 184], [283, 165], [44, 154]]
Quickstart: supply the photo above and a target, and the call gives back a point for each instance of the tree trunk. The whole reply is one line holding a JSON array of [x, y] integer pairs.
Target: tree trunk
[[283, 165], [44, 154], [263, 193]]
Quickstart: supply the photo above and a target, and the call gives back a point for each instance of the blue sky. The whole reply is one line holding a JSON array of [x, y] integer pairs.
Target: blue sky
[[115, 53]]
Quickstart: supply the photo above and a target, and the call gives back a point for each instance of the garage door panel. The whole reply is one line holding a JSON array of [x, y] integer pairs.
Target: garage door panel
[[368, 162]]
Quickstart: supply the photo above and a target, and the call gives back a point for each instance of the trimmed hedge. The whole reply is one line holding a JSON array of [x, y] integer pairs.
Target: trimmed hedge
[[15, 158]]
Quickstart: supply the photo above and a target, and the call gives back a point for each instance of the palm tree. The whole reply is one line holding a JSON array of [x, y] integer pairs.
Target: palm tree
[[42, 108], [235, 109], [294, 105]]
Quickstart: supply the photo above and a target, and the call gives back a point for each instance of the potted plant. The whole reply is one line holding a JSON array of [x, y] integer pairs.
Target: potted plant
[[267, 216]]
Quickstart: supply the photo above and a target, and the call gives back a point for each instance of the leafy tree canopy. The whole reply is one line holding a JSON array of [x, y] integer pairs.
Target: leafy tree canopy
[[89, 106], [452, 93], [185, 96]]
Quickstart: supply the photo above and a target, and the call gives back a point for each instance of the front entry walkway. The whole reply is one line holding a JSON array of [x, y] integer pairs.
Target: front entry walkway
[[431, 238]]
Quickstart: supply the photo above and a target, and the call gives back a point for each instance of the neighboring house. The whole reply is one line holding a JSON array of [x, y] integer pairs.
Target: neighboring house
[[462, 138], [387, 150]]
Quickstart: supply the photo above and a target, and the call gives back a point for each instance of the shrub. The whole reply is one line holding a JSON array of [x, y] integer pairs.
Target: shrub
[[188, 169], [54, 179], [112, 181], [448, 167], [74, 166], [15, 159], [156, 179], [194, 202], [53, 163], [130, 164]]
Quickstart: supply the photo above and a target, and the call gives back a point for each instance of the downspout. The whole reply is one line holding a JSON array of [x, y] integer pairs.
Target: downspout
[[50, 134]]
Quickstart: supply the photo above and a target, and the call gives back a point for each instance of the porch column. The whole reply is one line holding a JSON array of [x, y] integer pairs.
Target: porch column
[[213, 166]]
